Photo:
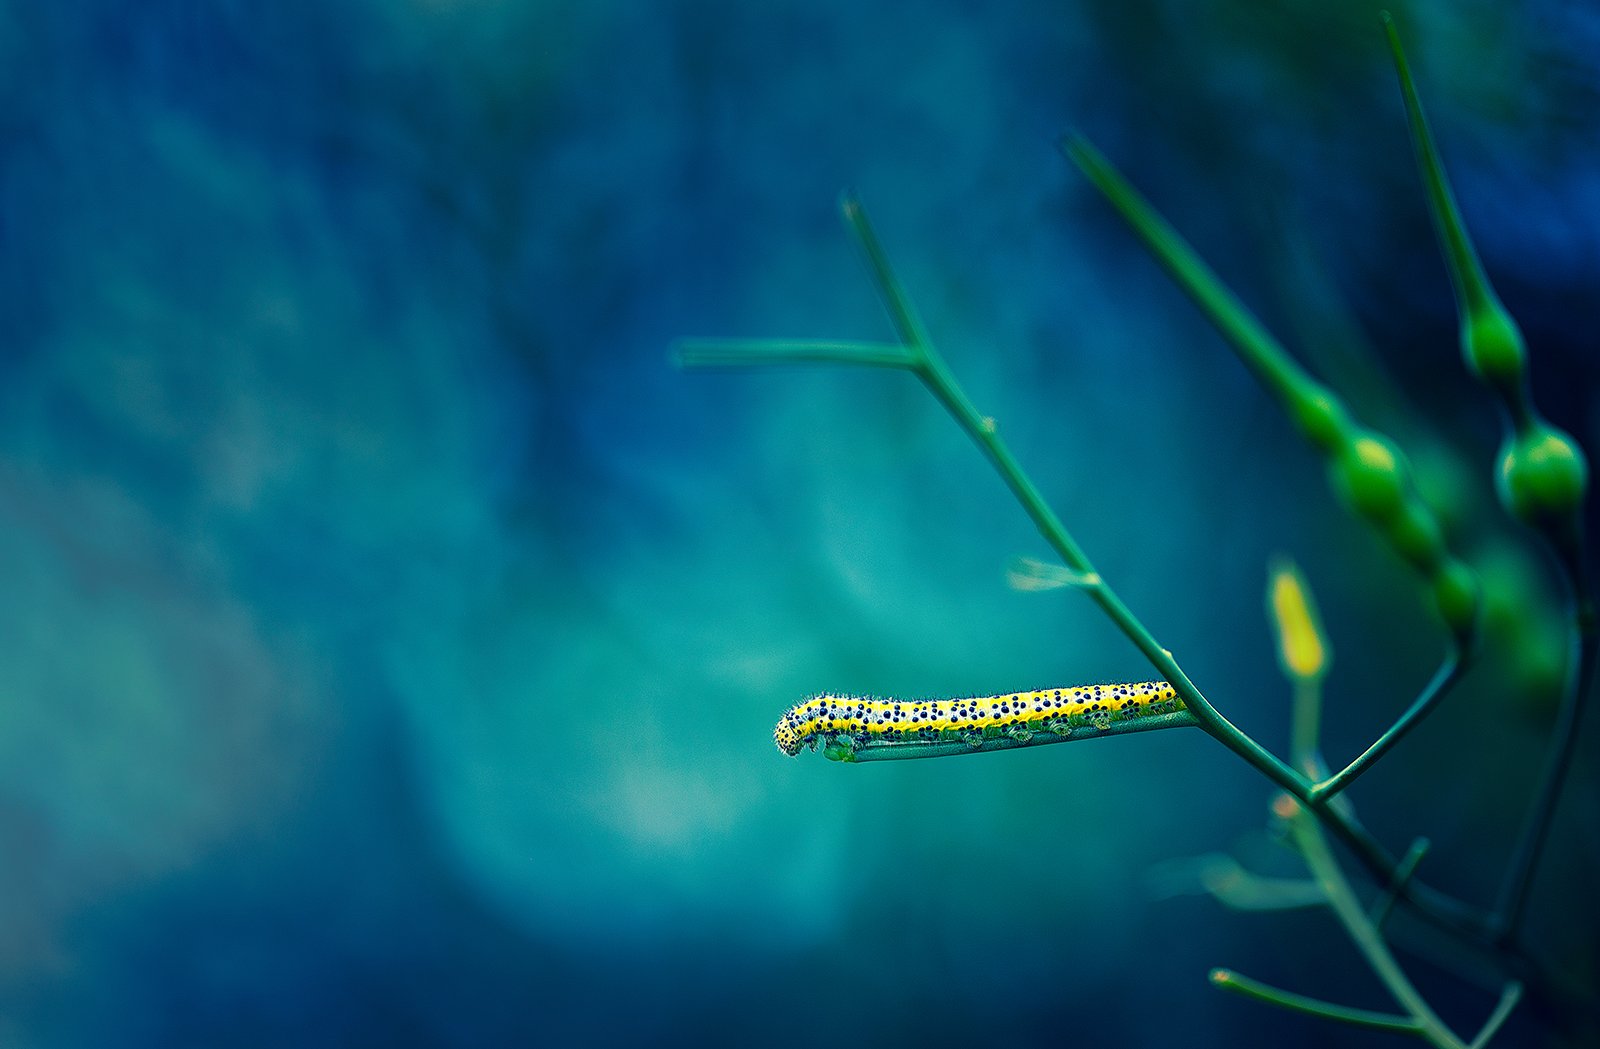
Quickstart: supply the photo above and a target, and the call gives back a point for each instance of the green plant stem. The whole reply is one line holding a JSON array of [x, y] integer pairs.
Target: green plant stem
[[1513, 898], [1241, 984], [1476, 300], [1379, 912], [1472, 287], [1368, 940], [1450, 671], [913, 749], [936, 376], [1284, 378], [1305, 729], [1441, 910], [741, 353], [1305, 725], [1502, 1011], [1364, 927], [1438, 908]]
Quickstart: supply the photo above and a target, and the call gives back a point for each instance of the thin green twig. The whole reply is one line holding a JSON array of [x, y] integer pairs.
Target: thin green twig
[[1513, 897], [1466, 270], [1379, 912], [912, 749], [1325, 870], [1491, 341], [1362, 925], [743, 353], [1368, 940], [1449, 673], [936, 376], [1502, 1011], [1284, 378], [1238, 983]]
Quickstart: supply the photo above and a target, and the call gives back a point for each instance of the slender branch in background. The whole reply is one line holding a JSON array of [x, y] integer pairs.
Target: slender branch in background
[[1238, 983], [1303, 654], [1513, 898], [1502, 1011], [1542, 481], [1368, 473], [1369, 941], [1379, 912], [1445, 678], [744, 353], [1491, 342]]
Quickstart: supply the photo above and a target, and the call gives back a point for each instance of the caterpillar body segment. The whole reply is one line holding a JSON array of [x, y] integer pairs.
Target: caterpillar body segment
[[861, 728]]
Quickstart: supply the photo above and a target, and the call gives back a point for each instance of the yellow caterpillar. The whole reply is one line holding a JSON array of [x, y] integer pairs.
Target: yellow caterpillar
[[859, 728]]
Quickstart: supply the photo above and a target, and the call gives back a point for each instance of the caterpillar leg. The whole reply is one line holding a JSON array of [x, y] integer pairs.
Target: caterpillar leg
[[840, 747]]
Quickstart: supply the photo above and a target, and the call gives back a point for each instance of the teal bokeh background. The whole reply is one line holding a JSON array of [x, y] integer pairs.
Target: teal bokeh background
[[391, 639]]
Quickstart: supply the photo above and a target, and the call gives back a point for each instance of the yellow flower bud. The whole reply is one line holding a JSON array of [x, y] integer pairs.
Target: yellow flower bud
[[1301, 649]]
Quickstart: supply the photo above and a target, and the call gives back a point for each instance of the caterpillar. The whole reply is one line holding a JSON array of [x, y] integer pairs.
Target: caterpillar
[[860, 728]]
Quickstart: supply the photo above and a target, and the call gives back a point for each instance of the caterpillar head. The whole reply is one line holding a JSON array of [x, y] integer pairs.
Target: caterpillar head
[[787, 733]]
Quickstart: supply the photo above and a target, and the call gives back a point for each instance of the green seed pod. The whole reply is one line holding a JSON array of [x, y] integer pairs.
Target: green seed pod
[[1457, 595], [1543, 475], [1321, 417], [1369, 474], [1493, 348], [1415, 534]]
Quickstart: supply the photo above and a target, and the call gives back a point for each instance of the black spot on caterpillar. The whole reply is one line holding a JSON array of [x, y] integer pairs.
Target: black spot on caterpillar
[[860, 728]]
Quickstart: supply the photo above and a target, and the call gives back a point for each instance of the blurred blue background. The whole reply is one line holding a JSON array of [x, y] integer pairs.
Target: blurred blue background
[[390, 638]]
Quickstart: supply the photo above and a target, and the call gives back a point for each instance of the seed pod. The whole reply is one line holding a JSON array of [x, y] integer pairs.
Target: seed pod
[[1543, 475], [1458, 596], [1369, 473], [1491, 344]]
